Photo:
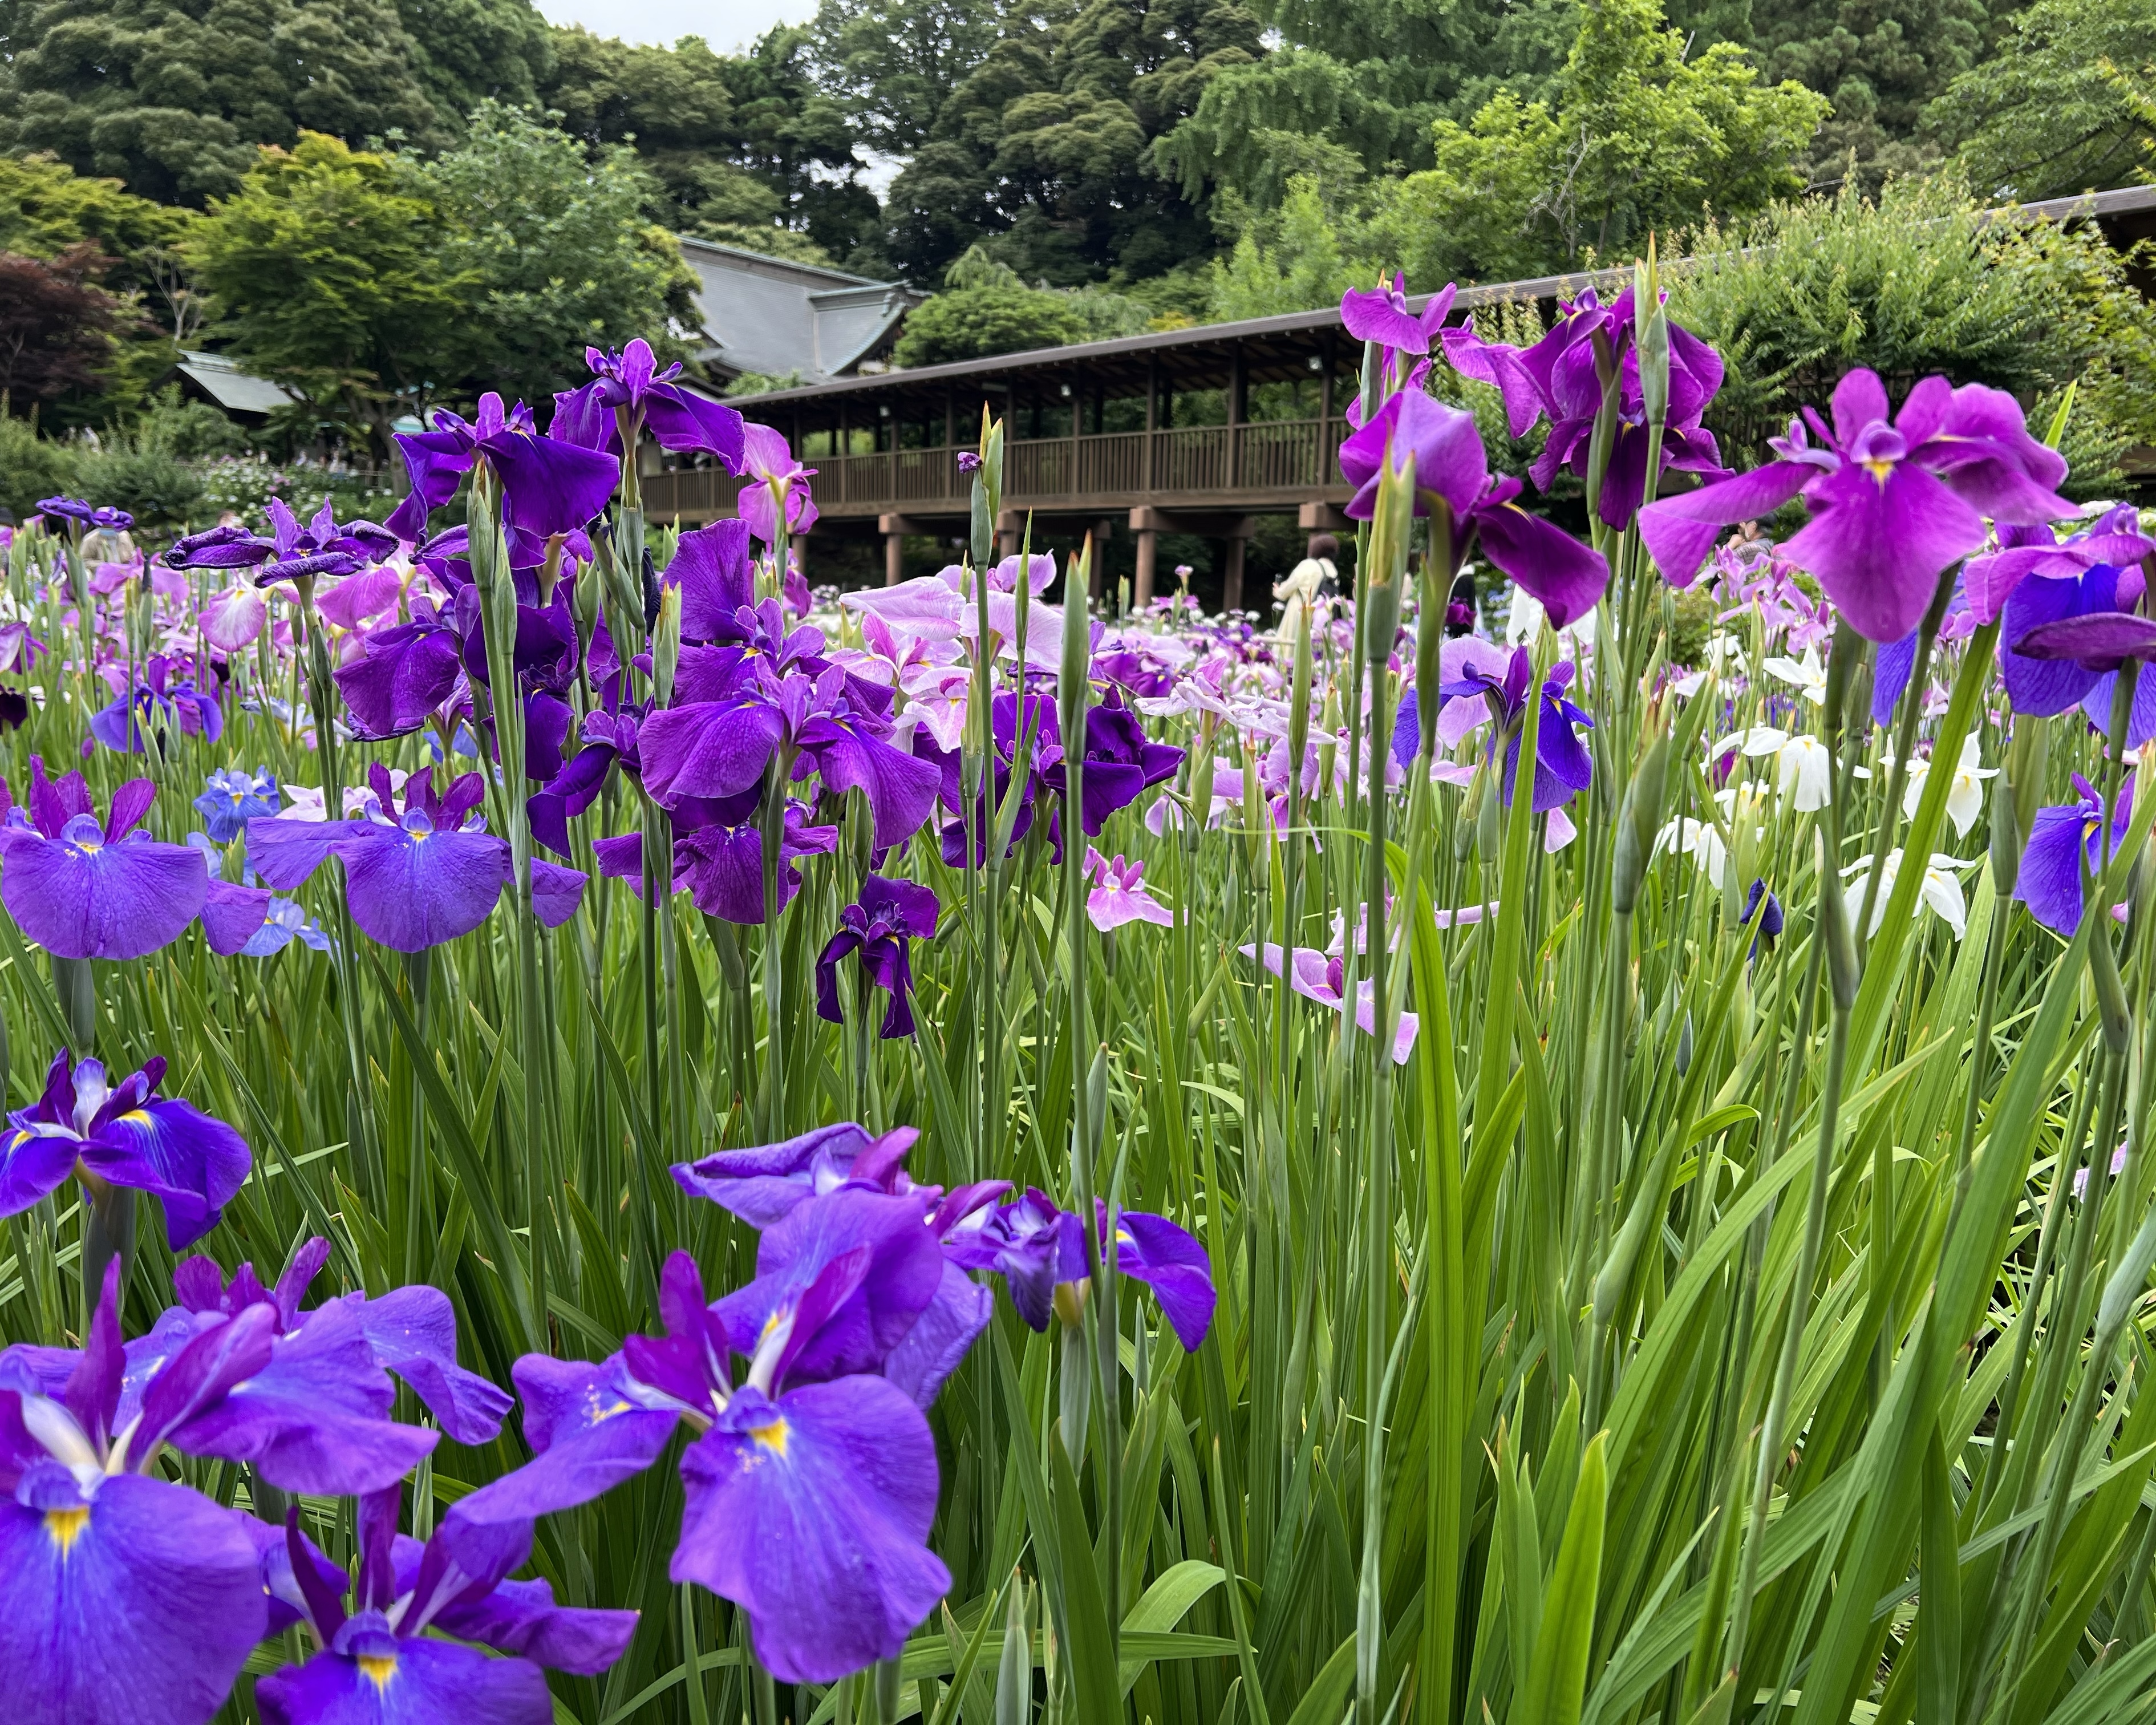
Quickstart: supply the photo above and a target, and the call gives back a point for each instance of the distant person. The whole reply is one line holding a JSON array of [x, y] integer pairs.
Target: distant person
[[1314, 582]]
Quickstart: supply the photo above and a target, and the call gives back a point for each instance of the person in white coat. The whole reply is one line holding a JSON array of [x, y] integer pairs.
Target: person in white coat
[[1313, 583]]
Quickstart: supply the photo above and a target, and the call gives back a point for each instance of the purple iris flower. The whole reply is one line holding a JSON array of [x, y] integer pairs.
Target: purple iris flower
[[226, 547], [123, 1597], [628, 385], [1566, 576], [720, 749], [890, 916], [123, 1134], [1892, 503], [2114, 537], [251, 923], [718, 854], [1381, 315], [410, 1331], [810, 1489], [2043, 682], [2059, 839], [765, 1184], [1563, 764], [415, 876], [123, 725], [84, 891], [233, 796], [83, 514], [1037, 1248], [969, 461], [549, 487], [404, 676], [769, 462], [320, 548], [377, 1660], [1119, 764], [1558, 377]]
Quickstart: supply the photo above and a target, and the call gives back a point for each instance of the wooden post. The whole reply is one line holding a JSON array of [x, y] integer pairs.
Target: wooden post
[[1231, 579], [893, 558], [1141, 591]]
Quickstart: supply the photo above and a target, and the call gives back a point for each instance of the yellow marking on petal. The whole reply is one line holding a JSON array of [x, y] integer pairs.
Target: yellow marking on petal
[[137, 1116], [1880, 470], [378, 1668], [771, 1437], [64, 1527]]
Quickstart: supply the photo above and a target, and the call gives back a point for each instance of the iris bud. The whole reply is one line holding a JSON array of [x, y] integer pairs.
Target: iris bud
[[2005, 838]]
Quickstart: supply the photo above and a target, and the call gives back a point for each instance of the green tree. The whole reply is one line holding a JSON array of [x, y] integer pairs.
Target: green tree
[[987, 308], [895, 63], [1049, 143], [1359, 79], [731, 141], [2065, 105], [174, 100], [1295, 258], [1639, 138], [551, 235], [328, 272], [472, 51], [1880, 63], [1923, 279]]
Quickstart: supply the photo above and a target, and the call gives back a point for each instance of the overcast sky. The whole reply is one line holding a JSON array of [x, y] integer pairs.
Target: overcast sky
[[726, 25]]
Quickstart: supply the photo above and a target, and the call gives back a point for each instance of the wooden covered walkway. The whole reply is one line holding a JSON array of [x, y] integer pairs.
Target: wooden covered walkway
[[1198, 431]]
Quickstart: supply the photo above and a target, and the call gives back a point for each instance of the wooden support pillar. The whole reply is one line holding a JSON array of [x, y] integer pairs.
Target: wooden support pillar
[[893, 558], [1148, 549], [1231, 578]]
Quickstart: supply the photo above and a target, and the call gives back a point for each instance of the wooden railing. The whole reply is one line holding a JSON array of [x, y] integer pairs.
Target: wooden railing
[[1287, 459]]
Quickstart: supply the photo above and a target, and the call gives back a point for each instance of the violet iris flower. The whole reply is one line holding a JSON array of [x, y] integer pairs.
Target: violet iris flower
[[1037, 1248], [1563, 764], [1892, 504], [122, 726], [123, 1134], [415, 876], [2113, 538], [321, 547], [549, 486], [1566, 576], [231, 797], [2041, 681], [410, 1331], [718, 854], [123, 1597], [250, 923], [774, 472], [80, 514], [629, 386], [890, 915], [2059, 839], [765, 1184], [811, 1484], [403, 677], [1558, 377], [377, 1662], [84, 891]]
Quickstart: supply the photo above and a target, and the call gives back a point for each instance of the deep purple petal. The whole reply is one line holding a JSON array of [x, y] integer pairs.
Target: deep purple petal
[[411, 1682], [1567, 577], [411, 891], [78, 898], [1170, 1261], [413, 1332], [194, 1164], [708, 748], [1877, 541], [711, 567], [1679, 532], [548, 486]]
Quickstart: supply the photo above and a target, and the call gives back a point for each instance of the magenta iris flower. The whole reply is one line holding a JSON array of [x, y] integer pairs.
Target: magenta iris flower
[[548, 486], [81, 890], [127, 724], [415, 876], [1558, 378], [1893, 502], [123, 1134], [378, 1661], [1566, 576], [811, 1483], [1381, 315], [2059, 841], [123, 1597], [890, 916]]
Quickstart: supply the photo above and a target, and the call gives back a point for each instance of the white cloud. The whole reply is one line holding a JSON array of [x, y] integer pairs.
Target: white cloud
[[728, 25]]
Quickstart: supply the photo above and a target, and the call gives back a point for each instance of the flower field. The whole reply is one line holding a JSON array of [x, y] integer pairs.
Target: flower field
[[596, 1139]]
